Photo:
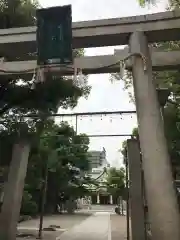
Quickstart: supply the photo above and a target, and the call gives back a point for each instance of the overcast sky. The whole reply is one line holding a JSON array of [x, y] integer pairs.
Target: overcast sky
[[104, 95]]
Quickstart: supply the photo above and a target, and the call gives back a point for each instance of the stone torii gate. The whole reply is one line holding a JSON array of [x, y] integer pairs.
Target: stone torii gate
[[137, 32]]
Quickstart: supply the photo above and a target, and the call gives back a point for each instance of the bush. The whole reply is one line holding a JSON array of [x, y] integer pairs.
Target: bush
[[28, 206]]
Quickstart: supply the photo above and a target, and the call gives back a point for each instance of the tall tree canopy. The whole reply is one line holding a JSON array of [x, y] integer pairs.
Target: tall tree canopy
[[17, 13], [48, 96]]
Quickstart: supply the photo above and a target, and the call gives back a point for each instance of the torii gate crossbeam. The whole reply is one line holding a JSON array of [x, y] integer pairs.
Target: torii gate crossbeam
[[158, 27], [93, 64]]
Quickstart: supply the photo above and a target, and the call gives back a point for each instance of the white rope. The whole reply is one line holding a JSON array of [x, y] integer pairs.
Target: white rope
[[40, 70]]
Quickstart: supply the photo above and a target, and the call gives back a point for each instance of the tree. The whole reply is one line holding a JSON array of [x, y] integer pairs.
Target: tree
[[172, 3], [67, 157], [62, 151], [17, 13], [116, 182], [32, 97], [38, 98], [144, 2], [47, 96]]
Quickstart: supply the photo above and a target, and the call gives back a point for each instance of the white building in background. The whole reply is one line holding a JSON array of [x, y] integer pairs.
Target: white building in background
[[98, 171], [99, 167], [97, 158]]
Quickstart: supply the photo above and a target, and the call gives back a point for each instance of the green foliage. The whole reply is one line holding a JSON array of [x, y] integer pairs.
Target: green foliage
[[174, 4], [67, 157], [116, 181], [55, 144], [47, 96], [170, 80], [172, 132], [123, 150], [143, 3], [28, 206], [17, 13]]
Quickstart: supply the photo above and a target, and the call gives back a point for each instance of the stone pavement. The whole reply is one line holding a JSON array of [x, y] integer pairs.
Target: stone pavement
[[100, 225], [65, 222], [118, 227], [97, 226]]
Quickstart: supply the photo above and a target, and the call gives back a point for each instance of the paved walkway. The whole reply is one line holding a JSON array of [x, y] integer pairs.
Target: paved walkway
[[118, 227], [95, 227], [65, 222]]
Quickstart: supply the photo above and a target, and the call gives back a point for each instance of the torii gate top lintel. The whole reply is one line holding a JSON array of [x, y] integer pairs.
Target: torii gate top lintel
[[162, 26]]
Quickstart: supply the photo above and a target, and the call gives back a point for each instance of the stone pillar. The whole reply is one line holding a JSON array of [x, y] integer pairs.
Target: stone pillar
[[161, 196], [121, 204], [98, 199], [111, 199], [136, 191], [13, 191]]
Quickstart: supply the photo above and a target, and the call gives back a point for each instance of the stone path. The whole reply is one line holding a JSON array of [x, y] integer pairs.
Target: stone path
[[65, 222], [118, 227], [97, 226], [100, 225]]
